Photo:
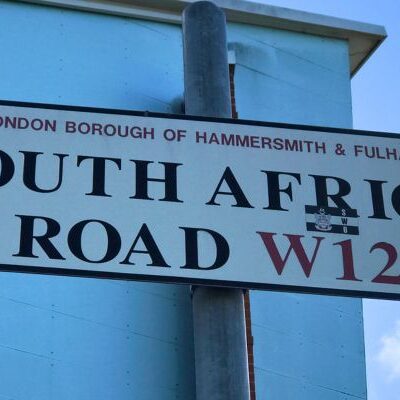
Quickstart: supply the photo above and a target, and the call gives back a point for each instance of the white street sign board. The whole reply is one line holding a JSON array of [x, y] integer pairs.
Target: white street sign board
[[130, 195]]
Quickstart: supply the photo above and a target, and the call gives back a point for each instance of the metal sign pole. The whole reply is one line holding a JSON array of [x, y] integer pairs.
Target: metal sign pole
[[218, 314]]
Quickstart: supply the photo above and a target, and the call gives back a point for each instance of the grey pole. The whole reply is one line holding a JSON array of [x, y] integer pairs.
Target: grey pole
[[218, 314]]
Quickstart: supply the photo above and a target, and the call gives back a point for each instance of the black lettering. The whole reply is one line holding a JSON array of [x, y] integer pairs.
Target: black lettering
[[192, 249], [377, 199], [27, 237], [29, 174], [396, 199], [321, 191], [99, 173], [157, 260], [142, 180], [7, 168], [75, 241], [274, 189], [235, 191]]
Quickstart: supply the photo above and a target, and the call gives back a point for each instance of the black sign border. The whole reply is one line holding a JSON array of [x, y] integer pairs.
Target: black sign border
[[115, 111], [196, 281]]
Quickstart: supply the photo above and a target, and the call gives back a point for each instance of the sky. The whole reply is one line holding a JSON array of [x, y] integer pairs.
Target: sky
[[376, 106]]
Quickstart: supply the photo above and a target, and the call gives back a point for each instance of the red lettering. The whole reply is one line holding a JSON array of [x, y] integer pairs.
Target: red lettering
[[296, 246], [392, 258], [70, 127], [348, 261]]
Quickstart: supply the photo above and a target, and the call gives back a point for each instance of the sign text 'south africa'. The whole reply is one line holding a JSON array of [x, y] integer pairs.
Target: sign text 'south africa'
[[129, 195]]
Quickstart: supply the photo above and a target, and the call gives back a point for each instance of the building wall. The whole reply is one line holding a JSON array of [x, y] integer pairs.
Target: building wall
[[70, 338], [305, 347], [84, 339]]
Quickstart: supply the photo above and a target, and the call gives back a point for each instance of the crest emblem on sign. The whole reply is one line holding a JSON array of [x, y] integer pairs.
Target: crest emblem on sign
[[322, 221]]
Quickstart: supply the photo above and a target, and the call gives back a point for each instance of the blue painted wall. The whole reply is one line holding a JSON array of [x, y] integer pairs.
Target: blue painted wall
[[305, 347], [82, 339]]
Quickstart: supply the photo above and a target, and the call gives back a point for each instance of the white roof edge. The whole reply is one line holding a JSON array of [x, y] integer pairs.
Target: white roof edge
[[363, 38]]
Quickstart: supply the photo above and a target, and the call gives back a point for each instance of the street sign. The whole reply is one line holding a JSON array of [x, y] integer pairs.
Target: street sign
[[143, 196]]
